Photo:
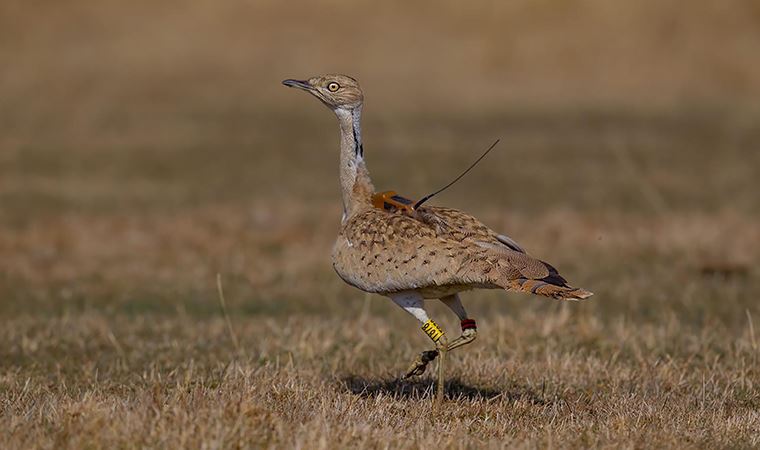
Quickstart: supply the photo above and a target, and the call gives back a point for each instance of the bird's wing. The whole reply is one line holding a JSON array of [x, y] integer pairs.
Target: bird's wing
[[379, 251], [460, 225]]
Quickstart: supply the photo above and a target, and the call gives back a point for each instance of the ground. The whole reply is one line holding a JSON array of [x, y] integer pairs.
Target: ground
[[114, 333], [116, 217]]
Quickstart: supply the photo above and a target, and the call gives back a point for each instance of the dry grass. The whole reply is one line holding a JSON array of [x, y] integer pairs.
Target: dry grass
[[146, 148], [554, 374]]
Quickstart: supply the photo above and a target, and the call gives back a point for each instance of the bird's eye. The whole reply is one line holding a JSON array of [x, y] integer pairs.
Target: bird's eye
[[332, 87]]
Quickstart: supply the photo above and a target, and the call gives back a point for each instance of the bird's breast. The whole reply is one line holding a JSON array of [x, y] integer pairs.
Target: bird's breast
[[367, 268]]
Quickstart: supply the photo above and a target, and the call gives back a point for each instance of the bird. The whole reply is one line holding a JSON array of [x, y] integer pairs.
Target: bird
[[411, 253]]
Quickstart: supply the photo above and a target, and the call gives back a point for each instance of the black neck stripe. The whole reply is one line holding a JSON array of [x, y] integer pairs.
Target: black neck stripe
[[358, 147]]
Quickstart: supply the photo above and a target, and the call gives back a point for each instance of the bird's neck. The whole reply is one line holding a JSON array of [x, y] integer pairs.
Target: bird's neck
[[355, 182]]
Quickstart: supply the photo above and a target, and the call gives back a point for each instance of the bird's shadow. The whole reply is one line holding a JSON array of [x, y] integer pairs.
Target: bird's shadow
[[420, 388]]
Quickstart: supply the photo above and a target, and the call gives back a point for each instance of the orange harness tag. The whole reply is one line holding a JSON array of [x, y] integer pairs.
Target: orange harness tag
[[390, 201]]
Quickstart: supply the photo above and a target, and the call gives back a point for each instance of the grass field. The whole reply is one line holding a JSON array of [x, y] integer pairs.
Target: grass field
[[133, 174]]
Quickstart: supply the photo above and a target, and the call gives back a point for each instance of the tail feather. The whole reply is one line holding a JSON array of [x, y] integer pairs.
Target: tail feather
[[548, 289], [522, 272]]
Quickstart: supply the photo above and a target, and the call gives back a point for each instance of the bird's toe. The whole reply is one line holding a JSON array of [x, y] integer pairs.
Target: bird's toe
[[420, 363]]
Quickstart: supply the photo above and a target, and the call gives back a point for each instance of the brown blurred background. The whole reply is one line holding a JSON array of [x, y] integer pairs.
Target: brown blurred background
[[120, 119], [146, 146], [130, 118], [114, 79], [102, 57]]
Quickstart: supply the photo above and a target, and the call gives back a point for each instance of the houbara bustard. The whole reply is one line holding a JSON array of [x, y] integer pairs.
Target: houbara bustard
[[412, 253]]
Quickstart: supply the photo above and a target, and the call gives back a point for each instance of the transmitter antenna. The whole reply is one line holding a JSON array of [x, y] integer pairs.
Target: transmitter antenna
[[429, 196]]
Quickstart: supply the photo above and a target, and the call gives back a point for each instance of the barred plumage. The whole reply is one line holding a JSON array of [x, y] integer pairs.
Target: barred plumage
[[432, 252]]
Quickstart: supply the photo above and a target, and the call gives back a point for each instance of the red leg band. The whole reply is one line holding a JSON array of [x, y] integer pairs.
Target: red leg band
[[469, 324]]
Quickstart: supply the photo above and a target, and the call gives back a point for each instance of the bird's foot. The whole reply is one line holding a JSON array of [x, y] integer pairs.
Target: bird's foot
[[468, 335], [420, 363]]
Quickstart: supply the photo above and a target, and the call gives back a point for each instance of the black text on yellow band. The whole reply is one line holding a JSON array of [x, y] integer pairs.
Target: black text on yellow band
[[432, 330]]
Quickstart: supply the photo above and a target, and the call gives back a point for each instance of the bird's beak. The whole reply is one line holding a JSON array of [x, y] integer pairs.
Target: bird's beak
[[298, 84]]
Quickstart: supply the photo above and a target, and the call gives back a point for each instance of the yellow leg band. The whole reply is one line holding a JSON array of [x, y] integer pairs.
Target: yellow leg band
[[432, 330]]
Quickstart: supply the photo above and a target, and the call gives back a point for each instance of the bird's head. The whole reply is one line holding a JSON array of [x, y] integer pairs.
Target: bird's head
[[335, 91]]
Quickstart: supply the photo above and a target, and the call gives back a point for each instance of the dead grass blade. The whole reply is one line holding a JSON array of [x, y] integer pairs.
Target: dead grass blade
[[223, 303]]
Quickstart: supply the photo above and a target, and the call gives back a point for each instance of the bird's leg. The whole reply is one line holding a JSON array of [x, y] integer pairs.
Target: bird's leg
[[412, 302], [469, 328], [442, 350], [435, 333]]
